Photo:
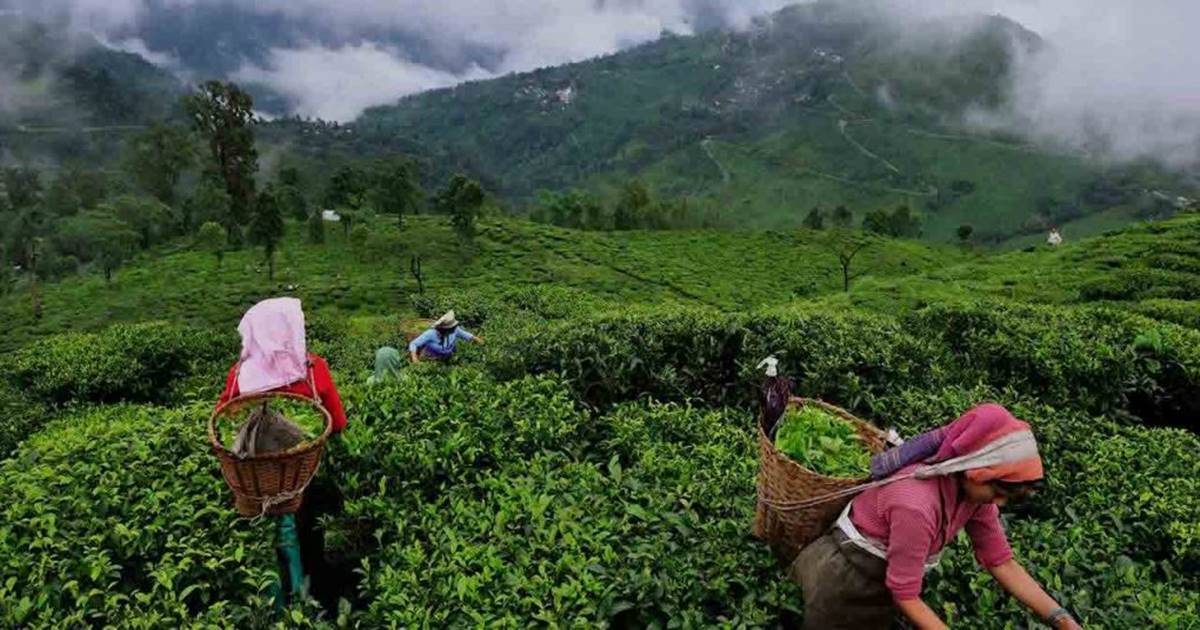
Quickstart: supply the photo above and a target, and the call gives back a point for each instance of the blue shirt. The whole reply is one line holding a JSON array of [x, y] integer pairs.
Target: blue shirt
[[431, 342]]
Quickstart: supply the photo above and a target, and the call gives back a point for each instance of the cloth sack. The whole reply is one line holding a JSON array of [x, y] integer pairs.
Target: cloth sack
[[266, 431]]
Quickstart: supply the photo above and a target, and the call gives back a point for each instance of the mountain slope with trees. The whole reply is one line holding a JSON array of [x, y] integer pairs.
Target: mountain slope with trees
[[816, 106]]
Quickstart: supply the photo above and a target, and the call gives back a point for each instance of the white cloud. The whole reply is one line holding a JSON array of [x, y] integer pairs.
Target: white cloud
[[1116, 74], [339, 83]]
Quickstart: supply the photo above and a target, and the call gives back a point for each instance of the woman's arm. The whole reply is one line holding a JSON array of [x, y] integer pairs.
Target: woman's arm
[[921, 615], [1017, 581], [412, 355]]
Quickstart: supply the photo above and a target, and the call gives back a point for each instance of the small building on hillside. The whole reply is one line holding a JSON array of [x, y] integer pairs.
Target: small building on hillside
[[331, 216]]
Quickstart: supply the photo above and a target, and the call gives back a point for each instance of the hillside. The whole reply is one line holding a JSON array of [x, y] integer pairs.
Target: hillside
[[595, 462], [69, 98], [818, 106], [726, 270]]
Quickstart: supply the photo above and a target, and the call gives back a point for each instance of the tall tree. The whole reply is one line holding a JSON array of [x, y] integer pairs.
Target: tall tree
[[631, 206], [316, 227], [208, 202], [815, 219], [846, 245], [396, 187], [462, 199], [211, 238], [841, 217], [145, 215], [964, 233], [157, 158], [100, 237], [347, 187], [266, 226], [223, 114], [23, 186]]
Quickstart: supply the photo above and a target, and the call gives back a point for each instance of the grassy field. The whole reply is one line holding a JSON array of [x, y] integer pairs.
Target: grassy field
[[727, 270]]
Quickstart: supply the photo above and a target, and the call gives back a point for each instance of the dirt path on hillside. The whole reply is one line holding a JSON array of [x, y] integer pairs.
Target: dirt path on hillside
[[706, 144]]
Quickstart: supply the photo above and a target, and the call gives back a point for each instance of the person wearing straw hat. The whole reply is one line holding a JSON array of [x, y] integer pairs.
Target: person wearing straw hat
[[441, 340], [871, 563]]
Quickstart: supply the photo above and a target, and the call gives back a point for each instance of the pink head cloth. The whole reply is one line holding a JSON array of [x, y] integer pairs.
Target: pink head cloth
[[273, 349], [978, 428]]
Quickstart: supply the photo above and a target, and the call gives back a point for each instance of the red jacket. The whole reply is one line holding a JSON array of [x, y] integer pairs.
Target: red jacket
[[321, 378]]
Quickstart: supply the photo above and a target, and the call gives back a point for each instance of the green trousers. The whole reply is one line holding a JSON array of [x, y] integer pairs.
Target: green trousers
[[290, 587]]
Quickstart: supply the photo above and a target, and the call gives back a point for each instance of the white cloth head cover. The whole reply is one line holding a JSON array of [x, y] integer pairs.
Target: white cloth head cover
[[274, 353], [1014, 447], [449, 320]]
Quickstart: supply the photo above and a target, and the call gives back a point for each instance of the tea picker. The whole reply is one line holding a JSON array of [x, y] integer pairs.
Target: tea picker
[[440, 341], [859, 547], [271, 462]]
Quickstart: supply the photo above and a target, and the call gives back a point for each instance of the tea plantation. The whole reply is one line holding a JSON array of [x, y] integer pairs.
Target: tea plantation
[[594, 464]]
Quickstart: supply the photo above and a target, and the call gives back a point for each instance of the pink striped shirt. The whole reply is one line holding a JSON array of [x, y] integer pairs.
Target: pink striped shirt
[[915, 518]]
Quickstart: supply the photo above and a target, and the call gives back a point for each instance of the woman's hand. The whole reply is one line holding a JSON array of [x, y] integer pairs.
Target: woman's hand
[[478, 340], [1020, 584], [1067, 623], [412, 356]]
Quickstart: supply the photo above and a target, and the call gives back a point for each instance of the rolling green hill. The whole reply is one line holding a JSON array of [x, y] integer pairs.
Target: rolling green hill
[[70, 99], [710, 268], [595, 462], [817, 106]]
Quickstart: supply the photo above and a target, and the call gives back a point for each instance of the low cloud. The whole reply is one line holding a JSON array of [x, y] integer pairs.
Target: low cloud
[[1115, 77], [340, 83]]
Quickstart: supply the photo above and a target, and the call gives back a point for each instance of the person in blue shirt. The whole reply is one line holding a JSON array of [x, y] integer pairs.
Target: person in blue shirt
[[441, 340]]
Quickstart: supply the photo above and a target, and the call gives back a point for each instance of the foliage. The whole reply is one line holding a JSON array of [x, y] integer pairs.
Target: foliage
[[138, 362], [266, 226], [316, 227], [823, 443], [631, 207], [98, 235], [147, 216], [814, 220], [211, 238], [461, 199], [900, 223], [94, 533], [157, 158], [964, 232], [221, 113], [396, 188]]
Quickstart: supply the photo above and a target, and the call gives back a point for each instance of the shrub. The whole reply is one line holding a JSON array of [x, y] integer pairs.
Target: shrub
[[93, 532], [138, 362]]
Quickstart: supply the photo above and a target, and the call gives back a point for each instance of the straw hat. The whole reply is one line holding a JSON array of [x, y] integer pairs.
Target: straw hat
[[446, 321]]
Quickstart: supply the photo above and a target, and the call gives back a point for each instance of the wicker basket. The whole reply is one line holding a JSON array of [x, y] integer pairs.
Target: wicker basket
[[274, 483], [781, 481]]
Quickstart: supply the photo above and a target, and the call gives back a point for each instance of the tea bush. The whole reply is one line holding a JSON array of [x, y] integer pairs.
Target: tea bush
[[654, 534], [138, 362], [673, 353], [22, 417], [475, 307], [1076, 357], [119, 517]]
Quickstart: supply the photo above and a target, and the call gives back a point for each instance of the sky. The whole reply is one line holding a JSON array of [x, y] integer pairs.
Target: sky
[[1117, 76]]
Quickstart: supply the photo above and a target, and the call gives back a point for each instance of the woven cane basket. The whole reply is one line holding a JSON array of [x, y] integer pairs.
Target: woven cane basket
[[781, 481], [273, 483]]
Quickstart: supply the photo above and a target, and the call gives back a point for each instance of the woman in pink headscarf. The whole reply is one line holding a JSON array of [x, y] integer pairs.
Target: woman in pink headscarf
[[871, 564], [275, 358]]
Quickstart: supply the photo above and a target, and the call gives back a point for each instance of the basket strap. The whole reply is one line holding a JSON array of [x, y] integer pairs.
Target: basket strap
[[792, 506]]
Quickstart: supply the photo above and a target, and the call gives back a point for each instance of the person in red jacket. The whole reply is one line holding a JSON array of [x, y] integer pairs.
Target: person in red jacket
[[274, 358], [322, 380]]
